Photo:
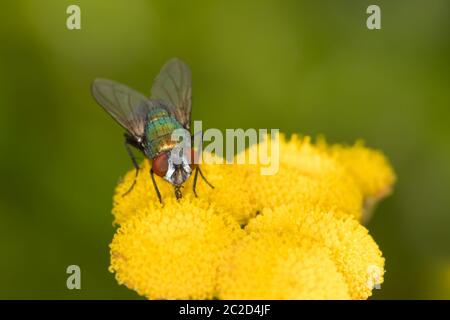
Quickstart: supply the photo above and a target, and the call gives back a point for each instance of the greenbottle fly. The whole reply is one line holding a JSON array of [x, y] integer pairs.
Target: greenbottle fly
[[149, 122]]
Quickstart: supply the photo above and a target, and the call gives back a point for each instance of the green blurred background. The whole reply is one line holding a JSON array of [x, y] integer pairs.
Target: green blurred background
[[302, 66]]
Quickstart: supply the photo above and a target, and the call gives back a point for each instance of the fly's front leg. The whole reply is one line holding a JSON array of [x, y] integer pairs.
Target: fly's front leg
[[197, 168], [133, 159], [155, 186], [195, 181], [194, 185], [203, 177]]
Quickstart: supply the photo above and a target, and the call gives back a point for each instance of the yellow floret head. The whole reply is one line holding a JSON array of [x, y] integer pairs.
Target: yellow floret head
[[353, 251], [173, 252]]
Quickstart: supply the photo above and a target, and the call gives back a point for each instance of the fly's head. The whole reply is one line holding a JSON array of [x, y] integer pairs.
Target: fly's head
[[175, 170]]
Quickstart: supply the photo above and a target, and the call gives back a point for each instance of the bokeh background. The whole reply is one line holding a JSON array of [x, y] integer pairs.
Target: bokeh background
[[310, 67]]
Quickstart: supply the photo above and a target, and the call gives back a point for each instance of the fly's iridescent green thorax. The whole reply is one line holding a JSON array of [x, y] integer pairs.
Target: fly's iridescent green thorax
[[158, 132]]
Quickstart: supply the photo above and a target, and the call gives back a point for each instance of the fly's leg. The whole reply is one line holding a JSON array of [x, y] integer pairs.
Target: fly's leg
[[155, 186], [133, 159], [203, 177], [194, 185], [195, 181], [197, 168]]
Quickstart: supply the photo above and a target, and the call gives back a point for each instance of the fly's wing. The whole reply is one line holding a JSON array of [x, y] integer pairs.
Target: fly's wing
[[173, 86], [127, 106]]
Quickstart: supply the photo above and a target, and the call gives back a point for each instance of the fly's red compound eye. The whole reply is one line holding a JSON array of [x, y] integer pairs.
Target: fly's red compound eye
[[160, 164]]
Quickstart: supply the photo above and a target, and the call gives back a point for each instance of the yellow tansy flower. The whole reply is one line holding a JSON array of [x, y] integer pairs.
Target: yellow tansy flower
[[307, 175], [354, 253], [369, 168], [277, 266], [173, 252], [292, 235]]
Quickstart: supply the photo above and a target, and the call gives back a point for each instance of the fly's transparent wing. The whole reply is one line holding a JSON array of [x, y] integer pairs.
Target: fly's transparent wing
[[173, 86], [127, 106]]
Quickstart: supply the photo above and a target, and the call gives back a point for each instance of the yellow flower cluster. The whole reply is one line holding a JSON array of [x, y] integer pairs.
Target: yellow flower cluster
[[370, 170], [173, 253], [292, 235], [283, 236]]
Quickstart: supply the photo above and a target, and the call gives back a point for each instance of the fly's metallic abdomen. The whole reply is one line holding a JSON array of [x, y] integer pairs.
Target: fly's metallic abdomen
[[158, 132]]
